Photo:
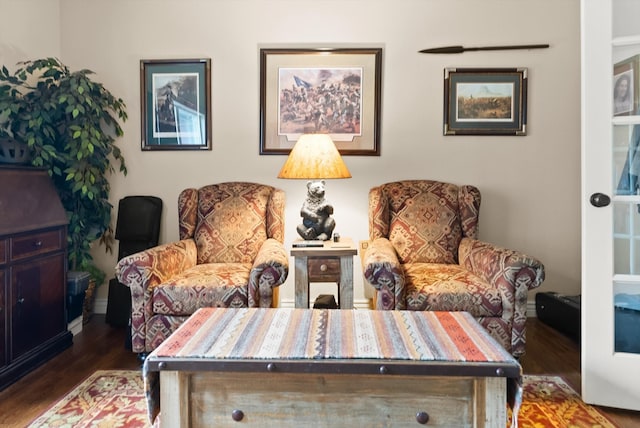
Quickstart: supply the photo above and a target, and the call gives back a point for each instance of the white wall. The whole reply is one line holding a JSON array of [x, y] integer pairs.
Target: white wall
[[18, 40], [530, 185]]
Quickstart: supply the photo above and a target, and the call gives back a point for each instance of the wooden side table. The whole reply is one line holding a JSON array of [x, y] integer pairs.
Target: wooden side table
[[333, 262]]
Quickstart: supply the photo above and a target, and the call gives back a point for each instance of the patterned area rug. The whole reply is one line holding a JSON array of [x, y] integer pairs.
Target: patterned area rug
[[115, 398], [548, 402]]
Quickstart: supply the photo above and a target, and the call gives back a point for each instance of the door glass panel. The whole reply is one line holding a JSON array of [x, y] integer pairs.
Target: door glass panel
[[626, 159], [626, 236], [626, 296]]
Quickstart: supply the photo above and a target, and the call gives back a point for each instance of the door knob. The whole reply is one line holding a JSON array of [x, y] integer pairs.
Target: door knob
[[600, 200]]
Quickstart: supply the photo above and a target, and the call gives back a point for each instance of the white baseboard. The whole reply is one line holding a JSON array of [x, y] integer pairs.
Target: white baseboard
[[357, 304], [100, 306], [364, 304], [531, 309], [75, 326]]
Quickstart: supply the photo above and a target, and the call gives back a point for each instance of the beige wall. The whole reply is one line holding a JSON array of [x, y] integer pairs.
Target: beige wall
[[18, 40], [530, 185]]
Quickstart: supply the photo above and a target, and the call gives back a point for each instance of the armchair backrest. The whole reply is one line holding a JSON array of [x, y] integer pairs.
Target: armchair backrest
[[424, 220], [230, 221]]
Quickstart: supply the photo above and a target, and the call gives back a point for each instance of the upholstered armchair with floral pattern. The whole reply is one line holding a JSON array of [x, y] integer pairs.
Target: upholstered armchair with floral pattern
[[230, 254], [424, 255]]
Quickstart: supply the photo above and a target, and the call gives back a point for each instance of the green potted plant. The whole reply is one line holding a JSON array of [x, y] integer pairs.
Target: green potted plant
[[12, 107], [70, 124]]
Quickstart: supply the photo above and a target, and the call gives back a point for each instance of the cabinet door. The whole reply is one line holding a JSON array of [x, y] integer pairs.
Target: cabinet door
[[3, 318], [37, 300]]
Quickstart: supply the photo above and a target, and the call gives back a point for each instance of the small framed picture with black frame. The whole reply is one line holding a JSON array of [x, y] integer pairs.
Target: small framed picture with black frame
[[175, 102]]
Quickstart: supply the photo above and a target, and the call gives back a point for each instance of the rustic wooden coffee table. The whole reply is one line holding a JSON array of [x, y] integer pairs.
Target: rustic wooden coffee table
[[330, 368]]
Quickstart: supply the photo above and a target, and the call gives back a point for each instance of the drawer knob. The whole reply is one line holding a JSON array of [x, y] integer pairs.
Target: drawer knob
[[237, 415], [422, 417], [37, 244], [323, 268], [271, 367], [383, 370]]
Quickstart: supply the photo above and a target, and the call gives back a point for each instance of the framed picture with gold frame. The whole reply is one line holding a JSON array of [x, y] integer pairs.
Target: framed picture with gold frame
[[485, 101], [334, 91]]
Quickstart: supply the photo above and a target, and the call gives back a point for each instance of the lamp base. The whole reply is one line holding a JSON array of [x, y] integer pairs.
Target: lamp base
[[317, 223]]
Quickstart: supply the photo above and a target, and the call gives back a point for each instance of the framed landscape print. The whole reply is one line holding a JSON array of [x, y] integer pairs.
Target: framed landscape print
[[332, 91], [485, 101], [175, 103]]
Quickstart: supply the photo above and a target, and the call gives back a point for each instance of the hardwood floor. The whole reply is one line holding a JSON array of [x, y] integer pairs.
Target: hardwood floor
[[98, 347], [101, 347]]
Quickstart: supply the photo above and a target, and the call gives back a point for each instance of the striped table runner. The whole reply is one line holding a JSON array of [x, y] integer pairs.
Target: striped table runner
[[254, 333]]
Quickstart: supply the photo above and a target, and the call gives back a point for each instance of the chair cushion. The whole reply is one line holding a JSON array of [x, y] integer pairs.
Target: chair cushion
[[219, 285], [444, 287], [425, 223], [231, 222]]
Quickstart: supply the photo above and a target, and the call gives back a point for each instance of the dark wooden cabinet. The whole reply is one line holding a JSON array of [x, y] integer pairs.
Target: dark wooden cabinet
[[3, 313], [33, 227]]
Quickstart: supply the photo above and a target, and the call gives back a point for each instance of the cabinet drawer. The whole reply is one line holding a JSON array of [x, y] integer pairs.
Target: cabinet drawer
[[35, 243], [324, 269], [3, 252]]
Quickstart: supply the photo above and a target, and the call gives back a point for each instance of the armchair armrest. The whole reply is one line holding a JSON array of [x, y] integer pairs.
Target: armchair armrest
[[512, 273], [147, 268], [142, 271], [270, 269], [501, 266], [383, 271]]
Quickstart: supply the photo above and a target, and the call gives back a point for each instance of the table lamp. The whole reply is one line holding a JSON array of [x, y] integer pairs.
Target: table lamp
[[315, 157]]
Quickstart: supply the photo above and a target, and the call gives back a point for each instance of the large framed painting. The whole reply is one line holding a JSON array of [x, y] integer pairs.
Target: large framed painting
[[175, 103], [485, 101], [332, 91]]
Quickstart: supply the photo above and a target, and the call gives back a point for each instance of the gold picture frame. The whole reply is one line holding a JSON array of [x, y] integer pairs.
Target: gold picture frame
[[485, 101], [334, 91]]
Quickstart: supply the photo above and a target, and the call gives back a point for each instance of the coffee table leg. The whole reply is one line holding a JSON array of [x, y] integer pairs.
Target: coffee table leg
[[174, 396], [492, 399]]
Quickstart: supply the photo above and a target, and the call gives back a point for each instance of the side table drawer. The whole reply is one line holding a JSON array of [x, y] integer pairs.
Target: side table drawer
[[324, 269], [36, 243]]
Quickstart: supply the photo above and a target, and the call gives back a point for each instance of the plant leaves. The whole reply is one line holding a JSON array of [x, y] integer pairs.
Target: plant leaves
[[61, 115]]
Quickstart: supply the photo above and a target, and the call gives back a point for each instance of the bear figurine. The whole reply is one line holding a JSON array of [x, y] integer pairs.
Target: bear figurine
[[317, 223]]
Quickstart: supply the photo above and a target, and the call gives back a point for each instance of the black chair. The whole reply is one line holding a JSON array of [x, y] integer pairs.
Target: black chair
[[137, 229]]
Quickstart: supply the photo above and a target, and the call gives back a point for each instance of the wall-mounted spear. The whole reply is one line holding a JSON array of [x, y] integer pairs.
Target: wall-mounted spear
[[460, 49]]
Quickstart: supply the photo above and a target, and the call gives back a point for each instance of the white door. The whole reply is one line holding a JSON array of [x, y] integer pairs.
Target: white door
[[611, 203]]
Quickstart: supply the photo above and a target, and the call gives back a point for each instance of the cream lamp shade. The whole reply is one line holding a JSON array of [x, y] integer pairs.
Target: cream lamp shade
[[314, 157]]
